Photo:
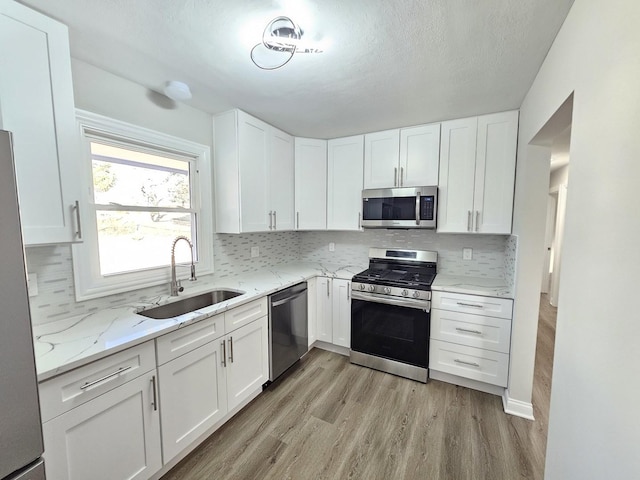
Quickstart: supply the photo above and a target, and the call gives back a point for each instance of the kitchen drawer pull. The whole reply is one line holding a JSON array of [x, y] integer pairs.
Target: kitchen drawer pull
[[349, 291], [224, 353], [231, 349], [270, 220], [275, 219], [327, 287], [76, 208], [462, 304], [401, 175], [298, 220], [359, 220], [477, 219], [395, 177], [102, 379], [155, 393], [466, 330], [468, 220], [471, 364]]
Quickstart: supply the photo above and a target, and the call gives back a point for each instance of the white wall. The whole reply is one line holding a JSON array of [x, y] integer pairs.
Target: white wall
[[594, 429], [559, 177]]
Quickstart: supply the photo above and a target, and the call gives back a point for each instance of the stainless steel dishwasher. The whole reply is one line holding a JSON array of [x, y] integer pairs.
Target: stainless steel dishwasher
[[287, 328]]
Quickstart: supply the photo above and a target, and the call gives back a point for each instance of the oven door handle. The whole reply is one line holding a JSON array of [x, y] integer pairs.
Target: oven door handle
[[400, 302]]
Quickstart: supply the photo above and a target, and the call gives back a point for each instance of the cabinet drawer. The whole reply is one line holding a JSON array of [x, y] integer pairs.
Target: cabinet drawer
[[475, 304], [182, 341], [490, 333], [469, 362], [61, 394], [239, 316]]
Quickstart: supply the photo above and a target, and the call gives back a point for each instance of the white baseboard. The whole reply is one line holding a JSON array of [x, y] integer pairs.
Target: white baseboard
[[517, 407], [330, 347], [466, 382]]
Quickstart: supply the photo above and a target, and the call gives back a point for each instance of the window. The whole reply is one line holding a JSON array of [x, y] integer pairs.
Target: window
[[143, 190]]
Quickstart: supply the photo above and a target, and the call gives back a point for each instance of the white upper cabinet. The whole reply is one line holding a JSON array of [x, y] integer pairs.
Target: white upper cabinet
[[477, 172], [253, 174], [381, 157], [419, 155], [36, 105], [310, 184], [345, 167], [406, 157]]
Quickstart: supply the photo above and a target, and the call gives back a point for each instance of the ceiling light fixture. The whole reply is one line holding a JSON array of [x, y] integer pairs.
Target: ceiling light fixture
[[177, 90], [280, 40]]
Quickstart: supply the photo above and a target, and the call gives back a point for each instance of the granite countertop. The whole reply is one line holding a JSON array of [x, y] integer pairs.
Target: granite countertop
[[490, 287], [73, 342]]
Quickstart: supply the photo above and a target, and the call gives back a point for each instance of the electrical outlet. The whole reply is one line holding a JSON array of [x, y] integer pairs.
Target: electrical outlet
[[255, 252], [32, 284], [332, 247], [467, 253]]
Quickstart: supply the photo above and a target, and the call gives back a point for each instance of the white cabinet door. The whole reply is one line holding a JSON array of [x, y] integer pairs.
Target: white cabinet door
[[419, 155], [495, 172], [311, 184], [324, 311], [116, 436], [345, 167], [281, 175], [253, 146], [381, 155], [37, 106], [193, 396], [457, 175], [247, 361], [341, 312], [312, 295]]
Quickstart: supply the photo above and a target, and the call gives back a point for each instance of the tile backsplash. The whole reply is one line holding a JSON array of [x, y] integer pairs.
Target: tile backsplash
[[493, 256]]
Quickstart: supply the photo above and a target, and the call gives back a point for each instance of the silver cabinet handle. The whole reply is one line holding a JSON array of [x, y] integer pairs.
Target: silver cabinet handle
[[155, 394], [349, 291], [463, 304], [395, 177], [471, 364], [327, 287], [477, 219], [106, 377], [401, 176], [465, 330], [359, 220], [231, 349], [275, 219], [297, 220], [76, 208], [270, 220], [224, 353], [417, 208], [468, 220]]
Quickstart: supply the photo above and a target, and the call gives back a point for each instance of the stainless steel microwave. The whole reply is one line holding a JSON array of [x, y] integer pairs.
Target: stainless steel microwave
[[407, 207]]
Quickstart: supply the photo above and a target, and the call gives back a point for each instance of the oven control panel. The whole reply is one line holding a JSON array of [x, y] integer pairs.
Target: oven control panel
[[392, 291]]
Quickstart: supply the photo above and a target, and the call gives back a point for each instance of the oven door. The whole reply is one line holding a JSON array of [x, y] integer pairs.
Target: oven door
[[394, 332]]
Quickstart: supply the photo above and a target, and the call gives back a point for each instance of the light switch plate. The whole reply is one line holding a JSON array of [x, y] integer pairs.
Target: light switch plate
[[255, 252], [467, 253]]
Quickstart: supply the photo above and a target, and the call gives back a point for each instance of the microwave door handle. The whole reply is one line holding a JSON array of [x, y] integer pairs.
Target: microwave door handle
[[417, 208]]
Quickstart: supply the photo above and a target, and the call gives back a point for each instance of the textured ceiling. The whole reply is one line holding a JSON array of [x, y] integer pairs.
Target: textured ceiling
[[388, 63]]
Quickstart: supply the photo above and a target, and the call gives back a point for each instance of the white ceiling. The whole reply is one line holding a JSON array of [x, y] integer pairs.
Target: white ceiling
[[389, 63]]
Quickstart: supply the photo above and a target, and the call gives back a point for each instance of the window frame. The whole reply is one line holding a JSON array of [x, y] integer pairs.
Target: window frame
[[89, 283]]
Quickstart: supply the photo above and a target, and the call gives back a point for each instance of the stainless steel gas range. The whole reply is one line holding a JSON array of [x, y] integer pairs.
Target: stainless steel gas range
[[390, 312]]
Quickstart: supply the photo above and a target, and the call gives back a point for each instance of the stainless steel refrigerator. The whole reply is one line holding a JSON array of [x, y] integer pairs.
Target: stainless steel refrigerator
[[20, 427]]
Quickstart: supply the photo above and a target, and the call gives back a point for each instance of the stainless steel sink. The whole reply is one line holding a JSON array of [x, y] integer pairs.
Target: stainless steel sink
[[189, 304]]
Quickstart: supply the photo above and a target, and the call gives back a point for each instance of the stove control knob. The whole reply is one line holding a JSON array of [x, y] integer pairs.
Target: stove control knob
[[362, 287], [387, 290], [372, 288], [416, 294], [405, 292]]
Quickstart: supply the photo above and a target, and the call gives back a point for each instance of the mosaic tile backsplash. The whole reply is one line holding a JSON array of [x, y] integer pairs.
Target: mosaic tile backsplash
[[493, 256]]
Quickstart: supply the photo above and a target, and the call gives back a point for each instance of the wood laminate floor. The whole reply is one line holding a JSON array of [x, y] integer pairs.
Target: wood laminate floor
[[329, 419]]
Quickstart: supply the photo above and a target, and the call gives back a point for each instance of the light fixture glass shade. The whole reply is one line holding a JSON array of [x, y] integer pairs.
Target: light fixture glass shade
[[177, 90]]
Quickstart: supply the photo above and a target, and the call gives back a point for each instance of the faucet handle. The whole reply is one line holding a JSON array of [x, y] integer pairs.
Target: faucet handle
[[180, 287]]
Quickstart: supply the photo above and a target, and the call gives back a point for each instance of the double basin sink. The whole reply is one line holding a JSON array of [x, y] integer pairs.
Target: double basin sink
[[189, 304]]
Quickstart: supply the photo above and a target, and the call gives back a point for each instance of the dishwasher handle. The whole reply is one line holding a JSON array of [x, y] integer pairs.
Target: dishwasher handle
[[288, 299]]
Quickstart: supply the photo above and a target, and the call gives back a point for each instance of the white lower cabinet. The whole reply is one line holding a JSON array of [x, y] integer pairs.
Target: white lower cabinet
[[333, 311], [193, 397], [470, 337], [114, 436]]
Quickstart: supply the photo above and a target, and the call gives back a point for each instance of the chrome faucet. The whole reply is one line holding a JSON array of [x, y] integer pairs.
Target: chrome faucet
[[175, 284]]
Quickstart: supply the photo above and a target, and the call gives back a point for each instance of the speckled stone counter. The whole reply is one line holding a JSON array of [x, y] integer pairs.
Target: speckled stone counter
[[490, 287], [70, 343]]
